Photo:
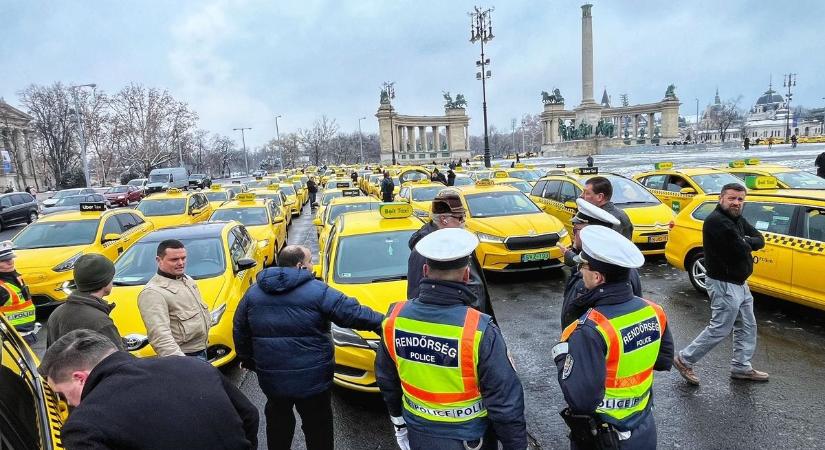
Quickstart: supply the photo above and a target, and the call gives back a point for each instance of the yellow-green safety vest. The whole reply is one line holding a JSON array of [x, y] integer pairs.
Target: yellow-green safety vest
[[633, 342], [436, 364], [18, 311]]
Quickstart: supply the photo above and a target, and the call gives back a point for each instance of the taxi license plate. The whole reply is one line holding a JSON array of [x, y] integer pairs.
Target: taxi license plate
[[529, 257], [659, 238]]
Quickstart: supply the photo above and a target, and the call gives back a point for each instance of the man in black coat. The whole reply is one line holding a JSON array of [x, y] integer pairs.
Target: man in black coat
[[123, 402], [447, 212], [282, 332], [85, 308], [312, 188], [387, 188]]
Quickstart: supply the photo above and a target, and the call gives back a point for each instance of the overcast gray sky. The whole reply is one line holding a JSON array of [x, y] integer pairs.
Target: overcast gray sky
[[238, 63]]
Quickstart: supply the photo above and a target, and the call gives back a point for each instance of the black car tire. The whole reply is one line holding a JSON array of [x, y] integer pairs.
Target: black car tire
[[695, 266]]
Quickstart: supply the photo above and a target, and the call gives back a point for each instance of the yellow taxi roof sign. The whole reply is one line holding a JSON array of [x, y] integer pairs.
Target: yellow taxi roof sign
[[424, 181], [520, 166], [484, 182], [752, 161], [215, 187], [173, 191], [500, 174], [273, 187], [665, 165], [395, 210], [245, 197], [92, 207], [458, 169], [586, 170], [736, 164], [350, 192], [760, 182]]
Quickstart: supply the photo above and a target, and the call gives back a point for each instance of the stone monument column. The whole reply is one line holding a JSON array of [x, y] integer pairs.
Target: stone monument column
[[651, 125], [587, 55], [436, 138], [422, 135]]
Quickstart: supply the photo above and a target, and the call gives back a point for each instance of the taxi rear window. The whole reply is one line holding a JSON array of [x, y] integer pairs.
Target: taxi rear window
[[801, 180], [217, 196], [246, 216], [426, 194], [56, 234], [337, 210], [162, 207]]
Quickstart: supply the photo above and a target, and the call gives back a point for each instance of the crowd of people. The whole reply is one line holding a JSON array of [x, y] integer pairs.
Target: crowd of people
[[442, 366]]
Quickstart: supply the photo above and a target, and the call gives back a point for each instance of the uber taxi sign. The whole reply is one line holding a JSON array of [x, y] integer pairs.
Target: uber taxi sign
[[342, 185], [92, 206], [395, 210], [586, 171], [760, 182], [350, 193]]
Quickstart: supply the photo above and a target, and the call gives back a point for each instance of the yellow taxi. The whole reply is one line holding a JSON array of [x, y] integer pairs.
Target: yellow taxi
[[524, 172], [372, 184], [375, 189], [420, 195], [273, 192], [175, 207], [514, 234], [263, 219], [293, 203], [47, 249], [336, 207], [503, 178], [35, 413], [557, 192], [339, 183], [217, 195], [299, 183], [786, 177], [260, 182], [376, 281], [331, 194], [677, 187], [792, 222], [223, 259]]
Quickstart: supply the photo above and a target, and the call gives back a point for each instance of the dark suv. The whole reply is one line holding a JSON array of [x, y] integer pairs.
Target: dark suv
[[17, 207], [199, 180]]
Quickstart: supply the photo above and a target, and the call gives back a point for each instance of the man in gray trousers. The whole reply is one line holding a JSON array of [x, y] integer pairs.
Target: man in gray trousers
[[728, 240]]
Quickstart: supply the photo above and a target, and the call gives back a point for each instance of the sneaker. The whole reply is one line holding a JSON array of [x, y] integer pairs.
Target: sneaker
[[686, 371], [752, 375]]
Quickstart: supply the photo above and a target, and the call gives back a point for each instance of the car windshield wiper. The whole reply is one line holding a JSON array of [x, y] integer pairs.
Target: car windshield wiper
[[126, 283], [390, 278]]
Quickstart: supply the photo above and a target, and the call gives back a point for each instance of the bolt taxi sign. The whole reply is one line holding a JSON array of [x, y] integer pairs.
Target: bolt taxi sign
[[736, 164], [663, 165], [395, 210], [760, 182]]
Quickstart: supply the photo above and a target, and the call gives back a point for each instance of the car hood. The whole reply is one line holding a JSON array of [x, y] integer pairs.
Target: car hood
[[167, 221], [49, 201], [518, 225], [378, 296], [649, 216], [36, 258]]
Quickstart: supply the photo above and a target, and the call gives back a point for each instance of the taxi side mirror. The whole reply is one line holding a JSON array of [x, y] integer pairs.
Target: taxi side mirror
[[277, 219], [317, 222], [571, 205], [109, 237], [245, 263], [687, 190]]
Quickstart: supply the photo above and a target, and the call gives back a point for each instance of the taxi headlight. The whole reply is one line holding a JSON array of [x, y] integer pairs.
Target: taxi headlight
[[135, 341], [217, 314], [67, 264], [345, 337], [562, 233], [484, 237]]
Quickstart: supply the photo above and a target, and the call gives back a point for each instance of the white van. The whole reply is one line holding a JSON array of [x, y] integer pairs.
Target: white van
[[163, 179]]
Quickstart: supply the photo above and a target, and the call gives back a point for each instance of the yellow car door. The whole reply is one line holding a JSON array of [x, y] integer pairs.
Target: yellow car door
[[773, 264], [112, 239], [809, 258], [568, 194]]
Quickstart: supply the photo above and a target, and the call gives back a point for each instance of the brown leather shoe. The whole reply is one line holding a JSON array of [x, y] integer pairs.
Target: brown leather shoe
[[752, 375], [686, 372]]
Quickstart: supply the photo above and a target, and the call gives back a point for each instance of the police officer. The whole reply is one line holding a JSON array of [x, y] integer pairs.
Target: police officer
[[606, 359], [15, 300], [442, 368], [575, 302]]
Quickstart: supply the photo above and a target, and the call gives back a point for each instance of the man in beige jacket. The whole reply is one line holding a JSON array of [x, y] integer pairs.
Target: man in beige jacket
[[176, 318]]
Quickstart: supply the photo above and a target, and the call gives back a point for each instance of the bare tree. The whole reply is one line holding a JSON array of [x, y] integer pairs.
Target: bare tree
[[723, 117], [316, 140], [54, 127]]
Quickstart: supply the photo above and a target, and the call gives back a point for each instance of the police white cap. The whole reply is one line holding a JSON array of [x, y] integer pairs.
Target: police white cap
[[591, 214], [605, 245], [6, 250], [447, 248]]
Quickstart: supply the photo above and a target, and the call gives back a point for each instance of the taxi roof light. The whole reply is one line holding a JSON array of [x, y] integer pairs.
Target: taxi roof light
[[350, 192], [500, 174], [736, 164], [273, 187], [215, 187], [395, 210], [760, 182], [245, 197], [484, 182], [586, 170], [664, 165], [173, 191], [92, 207], [752, 161]]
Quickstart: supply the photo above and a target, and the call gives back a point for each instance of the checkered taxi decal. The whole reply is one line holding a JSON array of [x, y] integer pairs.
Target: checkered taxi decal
[[797, 243]]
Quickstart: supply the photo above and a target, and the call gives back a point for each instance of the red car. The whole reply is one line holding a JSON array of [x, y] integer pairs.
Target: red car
[[123, 195]]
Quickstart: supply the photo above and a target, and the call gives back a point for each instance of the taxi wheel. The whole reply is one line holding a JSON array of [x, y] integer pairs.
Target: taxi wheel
[[697, 272]]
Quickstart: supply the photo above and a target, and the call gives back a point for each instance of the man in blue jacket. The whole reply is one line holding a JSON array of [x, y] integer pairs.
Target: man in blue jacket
[[282, 332]]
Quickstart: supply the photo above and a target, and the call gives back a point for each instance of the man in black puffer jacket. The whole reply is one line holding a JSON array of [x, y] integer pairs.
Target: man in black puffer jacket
[[282, 332]]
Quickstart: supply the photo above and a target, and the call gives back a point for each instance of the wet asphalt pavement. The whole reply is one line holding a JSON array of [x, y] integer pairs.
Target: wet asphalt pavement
[[721, 413]]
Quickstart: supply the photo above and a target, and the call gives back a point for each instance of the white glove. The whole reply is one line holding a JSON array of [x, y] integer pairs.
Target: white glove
[[401, 432]]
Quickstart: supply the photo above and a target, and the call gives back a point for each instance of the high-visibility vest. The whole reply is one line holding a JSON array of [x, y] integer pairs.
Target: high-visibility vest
[[633, 341], [436, 364], [18, 310]]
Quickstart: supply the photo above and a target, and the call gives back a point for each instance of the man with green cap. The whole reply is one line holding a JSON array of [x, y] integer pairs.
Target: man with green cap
[[85, 307]]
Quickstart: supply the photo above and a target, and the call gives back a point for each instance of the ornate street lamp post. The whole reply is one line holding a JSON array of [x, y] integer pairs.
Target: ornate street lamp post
[[481, 30]]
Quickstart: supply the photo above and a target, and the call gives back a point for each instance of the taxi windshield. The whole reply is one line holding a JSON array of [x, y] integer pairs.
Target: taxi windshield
[[66, 193], [117, 189], [258, 184], [162, 207], [712, 183], [463, 181], [218, 196], [159, 178], [525, 174], [800, 180], [426, 194], [388, 254], [628, 192], [56, 234], [204, 259], [275, 196], [296, 185], [523, 186], [288, 189], [246, 216], [328, 196], [337, 210], [495, 204]]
